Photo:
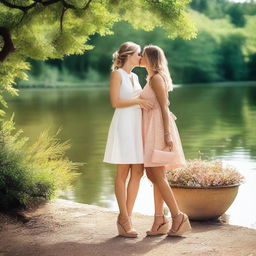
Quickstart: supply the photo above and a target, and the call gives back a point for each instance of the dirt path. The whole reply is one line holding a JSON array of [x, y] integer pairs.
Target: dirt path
[[67, 228]]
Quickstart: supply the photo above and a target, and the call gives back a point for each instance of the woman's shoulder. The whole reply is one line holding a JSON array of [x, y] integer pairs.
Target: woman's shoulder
[[116, 75], [116, 72], [157, 77], [157, 80]]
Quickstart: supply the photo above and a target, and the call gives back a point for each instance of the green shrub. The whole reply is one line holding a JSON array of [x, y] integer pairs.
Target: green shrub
[[32, 171]]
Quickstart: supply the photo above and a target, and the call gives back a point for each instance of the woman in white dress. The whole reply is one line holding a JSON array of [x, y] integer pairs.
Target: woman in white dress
[[124, 144]]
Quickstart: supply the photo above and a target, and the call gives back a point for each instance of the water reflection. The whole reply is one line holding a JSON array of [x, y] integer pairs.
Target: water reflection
[[219, 121], [243, 210]]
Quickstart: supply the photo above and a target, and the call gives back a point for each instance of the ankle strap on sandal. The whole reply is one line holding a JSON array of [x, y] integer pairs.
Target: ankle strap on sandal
[[179, 213]]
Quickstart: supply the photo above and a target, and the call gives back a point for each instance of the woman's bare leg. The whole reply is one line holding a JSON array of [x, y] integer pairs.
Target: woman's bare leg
[[133, 186], [120, 191], [158, 202], [122, 171], [159, 176]]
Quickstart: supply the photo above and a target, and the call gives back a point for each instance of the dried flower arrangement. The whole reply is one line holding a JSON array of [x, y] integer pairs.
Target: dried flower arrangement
[[202, 173]]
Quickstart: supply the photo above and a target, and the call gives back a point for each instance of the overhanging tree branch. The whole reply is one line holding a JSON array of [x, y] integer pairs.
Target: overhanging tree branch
[[8, 44], [64, 9], [14, 6], [26, 8], [4, 32], [87, 5], [45, 3], [61, 17]]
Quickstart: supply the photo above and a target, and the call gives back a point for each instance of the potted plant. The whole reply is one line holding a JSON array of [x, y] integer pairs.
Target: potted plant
[[204, 189]]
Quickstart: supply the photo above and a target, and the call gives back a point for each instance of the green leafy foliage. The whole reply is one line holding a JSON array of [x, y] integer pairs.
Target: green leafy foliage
[[64, 27], [221, 52], [32, 171], [237, 16], [232, 64]]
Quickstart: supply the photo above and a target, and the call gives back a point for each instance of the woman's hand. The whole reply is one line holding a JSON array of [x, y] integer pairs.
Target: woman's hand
[[145, 104], [168, 141]]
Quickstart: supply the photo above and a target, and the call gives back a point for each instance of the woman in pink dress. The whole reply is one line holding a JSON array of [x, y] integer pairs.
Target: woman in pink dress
[[160, 132]]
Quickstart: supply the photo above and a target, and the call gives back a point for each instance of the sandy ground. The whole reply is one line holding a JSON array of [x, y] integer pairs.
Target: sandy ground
[[66, 228]]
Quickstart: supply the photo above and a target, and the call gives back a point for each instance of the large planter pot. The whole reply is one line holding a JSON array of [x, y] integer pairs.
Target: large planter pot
[[204, 203]]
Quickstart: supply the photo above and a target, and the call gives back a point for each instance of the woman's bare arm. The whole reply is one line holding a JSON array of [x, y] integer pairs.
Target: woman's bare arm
[[116, 102], [158, 86]]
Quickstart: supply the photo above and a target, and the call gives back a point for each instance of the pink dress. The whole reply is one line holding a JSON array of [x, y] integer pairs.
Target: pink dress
[[153, 133]]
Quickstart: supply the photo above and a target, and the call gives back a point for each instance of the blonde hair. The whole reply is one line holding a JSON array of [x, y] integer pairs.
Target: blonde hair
[[159, 64], [120, 56]]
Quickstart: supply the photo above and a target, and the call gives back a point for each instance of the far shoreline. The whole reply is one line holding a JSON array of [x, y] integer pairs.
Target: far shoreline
[[102, 85]]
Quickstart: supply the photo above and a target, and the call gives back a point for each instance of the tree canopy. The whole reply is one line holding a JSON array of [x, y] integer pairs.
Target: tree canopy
[[49, 29]]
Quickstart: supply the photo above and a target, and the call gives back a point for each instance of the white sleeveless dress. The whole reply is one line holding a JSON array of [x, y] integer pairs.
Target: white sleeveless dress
[[124, 143]]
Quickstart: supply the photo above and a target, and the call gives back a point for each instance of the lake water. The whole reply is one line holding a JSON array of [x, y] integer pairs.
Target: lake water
[[218, 120]]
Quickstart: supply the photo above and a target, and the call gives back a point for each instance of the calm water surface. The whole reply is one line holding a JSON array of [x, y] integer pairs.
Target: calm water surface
[[217, 120]]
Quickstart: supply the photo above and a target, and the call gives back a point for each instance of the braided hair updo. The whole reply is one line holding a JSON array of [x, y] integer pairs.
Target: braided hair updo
[[120, 56]]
